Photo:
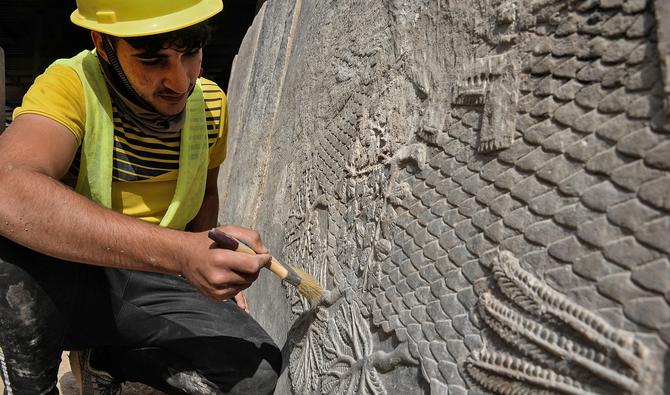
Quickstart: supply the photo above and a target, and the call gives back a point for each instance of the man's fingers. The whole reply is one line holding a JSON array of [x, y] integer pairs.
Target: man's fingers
[[230, 269], [227, 293], [241, 262], [223, 286], [221, 273], [241, 301], [232, 279], [248, 236], [218, 293]]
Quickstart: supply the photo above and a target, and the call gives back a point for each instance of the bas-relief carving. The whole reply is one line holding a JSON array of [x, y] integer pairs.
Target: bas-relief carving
[[568, 348], [491, 83], [489, 212], [662, 13]]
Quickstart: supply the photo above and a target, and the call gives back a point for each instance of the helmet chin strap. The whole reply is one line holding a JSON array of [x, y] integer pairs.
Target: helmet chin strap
[[118, 71]]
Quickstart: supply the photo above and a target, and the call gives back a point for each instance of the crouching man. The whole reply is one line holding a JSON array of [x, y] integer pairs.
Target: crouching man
[[109, 185]]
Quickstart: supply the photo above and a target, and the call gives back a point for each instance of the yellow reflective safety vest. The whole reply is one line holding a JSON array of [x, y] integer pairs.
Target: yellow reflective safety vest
[[95, 172]]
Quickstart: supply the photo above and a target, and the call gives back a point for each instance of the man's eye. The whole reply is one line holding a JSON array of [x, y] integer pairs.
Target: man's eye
[[151, 62]]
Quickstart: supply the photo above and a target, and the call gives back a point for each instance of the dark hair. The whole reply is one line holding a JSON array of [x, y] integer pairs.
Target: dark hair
[[184, 40]]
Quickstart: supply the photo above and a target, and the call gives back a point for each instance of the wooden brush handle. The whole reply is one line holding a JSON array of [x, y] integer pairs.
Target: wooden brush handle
[[222, 240]]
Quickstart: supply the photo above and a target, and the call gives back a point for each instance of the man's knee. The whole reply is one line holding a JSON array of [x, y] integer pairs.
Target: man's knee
[[256, 371], [23, 303], [266, 378], [238, 368], [263, 381]]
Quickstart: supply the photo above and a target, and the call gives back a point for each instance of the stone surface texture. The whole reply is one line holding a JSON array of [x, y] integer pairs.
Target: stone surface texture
[[482, 186]]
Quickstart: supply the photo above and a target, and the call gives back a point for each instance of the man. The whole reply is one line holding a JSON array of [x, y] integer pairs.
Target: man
[[109, 184]]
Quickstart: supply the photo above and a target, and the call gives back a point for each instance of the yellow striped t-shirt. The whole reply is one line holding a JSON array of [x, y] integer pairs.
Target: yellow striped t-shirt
[[144, 166]]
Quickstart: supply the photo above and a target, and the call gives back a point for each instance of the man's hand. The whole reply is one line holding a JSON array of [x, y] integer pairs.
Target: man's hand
[[241, 301], [218, 273]]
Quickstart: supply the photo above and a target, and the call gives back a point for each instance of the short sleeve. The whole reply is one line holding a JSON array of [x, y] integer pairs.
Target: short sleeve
[[216, 112], [217, 153], [58, 95]]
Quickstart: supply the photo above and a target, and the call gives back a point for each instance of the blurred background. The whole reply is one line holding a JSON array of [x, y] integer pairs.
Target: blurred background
[[34, 33]]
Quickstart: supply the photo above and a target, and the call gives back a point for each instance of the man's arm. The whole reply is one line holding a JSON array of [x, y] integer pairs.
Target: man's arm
[[41, 213]]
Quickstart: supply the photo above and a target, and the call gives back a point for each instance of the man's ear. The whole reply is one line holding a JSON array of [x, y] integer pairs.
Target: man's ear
[[99, 48]]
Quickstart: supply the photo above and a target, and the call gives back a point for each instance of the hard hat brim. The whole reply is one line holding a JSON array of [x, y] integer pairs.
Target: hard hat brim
[[157, 25]]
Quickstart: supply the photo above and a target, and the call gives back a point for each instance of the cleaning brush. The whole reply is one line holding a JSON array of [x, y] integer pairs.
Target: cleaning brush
[[306, 284]]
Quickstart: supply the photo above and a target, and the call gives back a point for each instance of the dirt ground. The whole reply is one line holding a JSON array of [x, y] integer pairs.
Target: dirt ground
[[67, 384]]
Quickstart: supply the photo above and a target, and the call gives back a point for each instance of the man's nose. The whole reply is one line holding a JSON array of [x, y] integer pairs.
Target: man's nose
[[176, 78]]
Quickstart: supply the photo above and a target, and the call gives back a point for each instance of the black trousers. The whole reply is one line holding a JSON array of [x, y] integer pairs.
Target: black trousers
[[151, 328]]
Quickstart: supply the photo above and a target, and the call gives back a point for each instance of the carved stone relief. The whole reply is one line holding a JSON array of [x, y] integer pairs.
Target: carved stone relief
[[490, 82], [482, 186], [569, 348]]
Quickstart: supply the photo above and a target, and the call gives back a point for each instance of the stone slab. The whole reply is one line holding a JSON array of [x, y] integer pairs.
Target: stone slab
[[451, 172], [662, 12]]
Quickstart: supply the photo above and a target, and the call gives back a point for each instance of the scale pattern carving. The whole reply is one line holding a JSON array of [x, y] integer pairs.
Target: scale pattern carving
[[572, 188]]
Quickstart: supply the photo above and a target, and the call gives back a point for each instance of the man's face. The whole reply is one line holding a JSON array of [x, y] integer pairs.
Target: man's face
[[164, 78]]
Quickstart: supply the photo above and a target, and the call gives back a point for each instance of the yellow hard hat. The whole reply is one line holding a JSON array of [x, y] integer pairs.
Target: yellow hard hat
[[132, 18]]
